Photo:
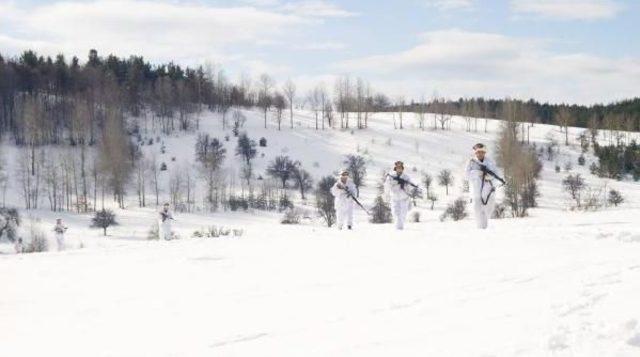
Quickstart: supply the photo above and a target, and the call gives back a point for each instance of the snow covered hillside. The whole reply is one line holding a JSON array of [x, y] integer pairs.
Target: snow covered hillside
[[557, 283]]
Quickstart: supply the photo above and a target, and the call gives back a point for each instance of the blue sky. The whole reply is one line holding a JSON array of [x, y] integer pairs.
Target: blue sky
[[581, 51]]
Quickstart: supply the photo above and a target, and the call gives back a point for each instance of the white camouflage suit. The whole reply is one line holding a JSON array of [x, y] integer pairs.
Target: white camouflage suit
[[59, 230], [400, 199], [344, 203], [481, 193], [165, 218]]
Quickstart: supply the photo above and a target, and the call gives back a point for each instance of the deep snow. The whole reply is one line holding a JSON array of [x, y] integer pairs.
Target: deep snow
[[558, 283], [530, 287]]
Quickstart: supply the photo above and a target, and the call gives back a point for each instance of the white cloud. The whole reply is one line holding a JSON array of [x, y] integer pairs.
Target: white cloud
[[307, 8], [322, 46], [567, 9], [10, 45], [440, 51], [262, 2], [316, 8], [8, 14], [186, 33], [446, 5], [255, 67], [306, 83], [460, 63], [163, 30]]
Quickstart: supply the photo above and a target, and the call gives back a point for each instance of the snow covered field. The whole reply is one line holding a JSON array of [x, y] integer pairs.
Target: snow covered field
[[532, 287], [558, 283]]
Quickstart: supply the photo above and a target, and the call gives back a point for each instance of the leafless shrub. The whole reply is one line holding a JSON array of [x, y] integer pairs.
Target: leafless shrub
[[456, 210], [154, 232], [37, 240], [291, 216]]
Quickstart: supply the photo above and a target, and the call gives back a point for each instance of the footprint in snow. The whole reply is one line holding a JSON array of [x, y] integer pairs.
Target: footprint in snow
[[558, 342], [631, 324], [635, 340], [627, 237]]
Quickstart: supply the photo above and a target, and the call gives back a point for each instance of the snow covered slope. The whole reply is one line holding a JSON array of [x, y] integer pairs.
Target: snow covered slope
[[558, 283], [533, 287]]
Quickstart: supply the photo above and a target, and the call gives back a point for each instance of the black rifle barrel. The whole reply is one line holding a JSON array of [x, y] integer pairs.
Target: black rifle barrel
[[487, 170], [402, 181], [354, 199]]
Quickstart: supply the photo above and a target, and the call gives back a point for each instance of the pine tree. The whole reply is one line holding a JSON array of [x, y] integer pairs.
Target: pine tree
[[246, 148], [615, 197], [381, 211], [104, 219], [357, 167], [325, 201]]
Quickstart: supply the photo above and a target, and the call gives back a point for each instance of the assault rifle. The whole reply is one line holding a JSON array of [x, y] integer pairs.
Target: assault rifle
[[350, 195], [415, 193], [486, 170]]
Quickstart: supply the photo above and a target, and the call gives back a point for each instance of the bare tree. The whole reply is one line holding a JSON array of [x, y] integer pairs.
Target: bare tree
[[114, 154], [442, 115], [52, 183], [28, 175], [264, 96], [225, 105], [445, 178], [189, 186], [328, 113], [176, 188], [141, 181], [301, 178], [467, 114], [368, 103], [324, 105], [80, 122], [279, 103], [281, 168], [594, 127], [521, 169], [4, 180], [427, 180], [360, 101], [289, 90], [343, 99], [313, 97], [238, 121], [574, 185], [154, 176], [210, 152], [421, 113], [400, 103], [564, 119]]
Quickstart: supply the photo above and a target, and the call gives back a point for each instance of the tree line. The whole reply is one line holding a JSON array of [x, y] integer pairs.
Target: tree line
[[101, 108], [47, 100]]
